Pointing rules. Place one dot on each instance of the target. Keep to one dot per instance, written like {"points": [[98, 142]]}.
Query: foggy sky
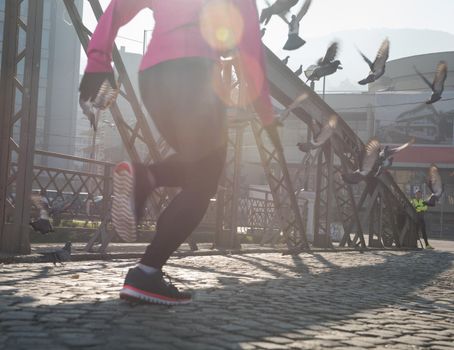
{"points": [[329, 16], [325, 19]]}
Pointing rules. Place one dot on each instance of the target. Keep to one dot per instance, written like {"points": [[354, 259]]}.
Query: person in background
{"points": [[421, 207], [181, 87]]}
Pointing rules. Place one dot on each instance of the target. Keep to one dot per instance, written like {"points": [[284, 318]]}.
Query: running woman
{"points": [[180, 86]]}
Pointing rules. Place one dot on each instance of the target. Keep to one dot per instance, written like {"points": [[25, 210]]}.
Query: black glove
{"points": [[271, 129], [91, 82], [89, 89]]}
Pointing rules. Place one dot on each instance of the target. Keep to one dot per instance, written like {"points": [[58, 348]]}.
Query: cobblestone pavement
{"points": [[394, 300]]}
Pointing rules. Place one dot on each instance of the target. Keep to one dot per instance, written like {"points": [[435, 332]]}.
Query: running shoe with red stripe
{"points": [[151, 288]]}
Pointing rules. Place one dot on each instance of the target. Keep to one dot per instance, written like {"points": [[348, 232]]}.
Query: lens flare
{"points": [[255, 75], [221, 25]]}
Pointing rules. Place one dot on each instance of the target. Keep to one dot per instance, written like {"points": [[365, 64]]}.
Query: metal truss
{"points": [[228, 196], [386, 215], [323, 198], [382, 211], [286, 209], [136, 134], [348, 210], [18, 105], [281, 186]]}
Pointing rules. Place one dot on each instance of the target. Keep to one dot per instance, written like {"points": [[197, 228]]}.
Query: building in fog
{"points": [[58, 84], [394, 111]]}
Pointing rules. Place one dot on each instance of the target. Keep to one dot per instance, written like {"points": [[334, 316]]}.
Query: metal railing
{"points": [[74, 195], [84, 195]]}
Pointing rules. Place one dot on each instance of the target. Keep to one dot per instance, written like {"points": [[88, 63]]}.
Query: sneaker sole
{"points": [[136, 295], [123, 217]]}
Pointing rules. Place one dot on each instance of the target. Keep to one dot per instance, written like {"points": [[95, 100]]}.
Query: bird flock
{"points": [[328, 64], [374, 158]]}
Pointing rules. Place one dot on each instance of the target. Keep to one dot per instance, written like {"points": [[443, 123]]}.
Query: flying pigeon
{"points": [[438, 84], [299, 71], [294, 41], [386, 158], [368, 163], [377, 68], [279, 7], [42, 225], [435, 185], [285, 60], [59, 255], [321, 137], [105, 97], [326, 65]]}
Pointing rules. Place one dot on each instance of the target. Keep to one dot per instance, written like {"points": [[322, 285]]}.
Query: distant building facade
{"points": [[109, 146], [58, 84], [394, 111]]}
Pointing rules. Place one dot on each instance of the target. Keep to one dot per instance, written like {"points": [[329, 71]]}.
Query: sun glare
{"points": [[221, 24]]}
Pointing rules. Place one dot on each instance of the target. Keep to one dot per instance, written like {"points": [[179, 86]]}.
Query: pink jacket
{"points": [[177, 34]]}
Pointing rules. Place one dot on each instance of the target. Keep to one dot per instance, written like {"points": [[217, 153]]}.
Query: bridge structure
{"points": [[376, 214]]}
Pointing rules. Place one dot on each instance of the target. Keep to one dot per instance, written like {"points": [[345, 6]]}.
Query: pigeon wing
{"points": [[429, 84], [326, 132], [440, 77], [282, 14], [283, 6], [434, 181], [370, 156], [42, 225], [331, 53], [279, 7], [400, 148], [382, 55], [368, 61], [37, 201], [302, 12]]}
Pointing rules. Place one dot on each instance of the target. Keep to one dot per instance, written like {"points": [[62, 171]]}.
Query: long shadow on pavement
{"points": [[236, 312]]}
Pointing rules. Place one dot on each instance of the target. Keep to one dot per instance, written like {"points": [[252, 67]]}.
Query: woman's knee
{"points": [[206, 173]]}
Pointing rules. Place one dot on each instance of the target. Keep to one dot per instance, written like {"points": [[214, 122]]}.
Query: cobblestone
{"points": [[387, 300]]}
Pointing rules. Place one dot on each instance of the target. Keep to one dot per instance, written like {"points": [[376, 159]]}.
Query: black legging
{"points": [[183, 103], [422, 226]]}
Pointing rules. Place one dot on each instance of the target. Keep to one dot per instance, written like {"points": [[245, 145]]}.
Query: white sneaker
{"points": [[123, 217]]}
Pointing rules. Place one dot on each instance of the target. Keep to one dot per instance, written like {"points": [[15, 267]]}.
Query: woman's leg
{"points": [[179, 96], [181, 100], [186, 210]]}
